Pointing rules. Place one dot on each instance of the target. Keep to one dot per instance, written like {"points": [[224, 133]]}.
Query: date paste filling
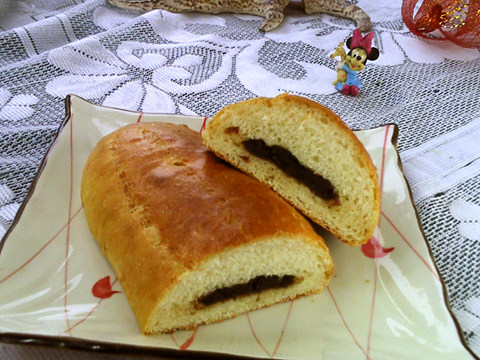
{"points": [[290, 165], [258, 284]]}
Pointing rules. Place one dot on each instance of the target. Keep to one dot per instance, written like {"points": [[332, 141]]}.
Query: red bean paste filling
{"points": [[291, 167], [255, 285]]}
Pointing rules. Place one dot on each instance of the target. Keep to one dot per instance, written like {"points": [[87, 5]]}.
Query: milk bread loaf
{"points": [[191, 239], [305, 153]]}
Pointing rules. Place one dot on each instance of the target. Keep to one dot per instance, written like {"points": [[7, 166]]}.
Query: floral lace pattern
{"points": [[468, 313], [468, 214]]}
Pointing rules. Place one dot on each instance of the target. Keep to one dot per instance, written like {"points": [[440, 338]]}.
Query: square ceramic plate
{"points": [[386, 300]]}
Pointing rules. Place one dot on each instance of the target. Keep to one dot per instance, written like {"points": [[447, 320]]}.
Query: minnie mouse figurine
{"points": [[350, 63]]}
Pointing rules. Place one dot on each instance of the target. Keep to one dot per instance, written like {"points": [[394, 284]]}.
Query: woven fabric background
{"points": [[194, 64]]}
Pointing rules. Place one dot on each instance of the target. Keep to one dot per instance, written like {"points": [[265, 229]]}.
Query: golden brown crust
{"points": [[158, 203]]}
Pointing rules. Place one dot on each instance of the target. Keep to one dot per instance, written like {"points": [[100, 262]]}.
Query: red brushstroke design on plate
{"points": [[204, 125], [272, 354], [375, 277], [27, 262], [349, 329], [187, 342], [102, 289], [67, 242], [415, 251], [374, 250], [91, 311]]}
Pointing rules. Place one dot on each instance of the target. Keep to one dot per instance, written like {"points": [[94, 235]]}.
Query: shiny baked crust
{"points": [[176, 222]]}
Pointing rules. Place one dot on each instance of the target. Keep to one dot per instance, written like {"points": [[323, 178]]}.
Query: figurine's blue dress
{"points": [[352, 79]]}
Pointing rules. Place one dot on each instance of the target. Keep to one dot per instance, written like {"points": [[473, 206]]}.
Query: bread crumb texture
{"points": [[320, 141]]}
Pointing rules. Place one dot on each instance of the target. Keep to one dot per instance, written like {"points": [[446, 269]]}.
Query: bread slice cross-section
{"points": [[305, 153]]}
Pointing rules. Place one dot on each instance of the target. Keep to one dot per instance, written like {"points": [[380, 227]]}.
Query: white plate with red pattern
{"points": [[385, 301]]}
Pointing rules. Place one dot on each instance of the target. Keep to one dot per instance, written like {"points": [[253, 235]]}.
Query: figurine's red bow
{"points": [[359, 41]]}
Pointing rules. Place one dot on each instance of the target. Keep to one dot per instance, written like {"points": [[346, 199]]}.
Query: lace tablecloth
{"points": [[195, 64]]}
